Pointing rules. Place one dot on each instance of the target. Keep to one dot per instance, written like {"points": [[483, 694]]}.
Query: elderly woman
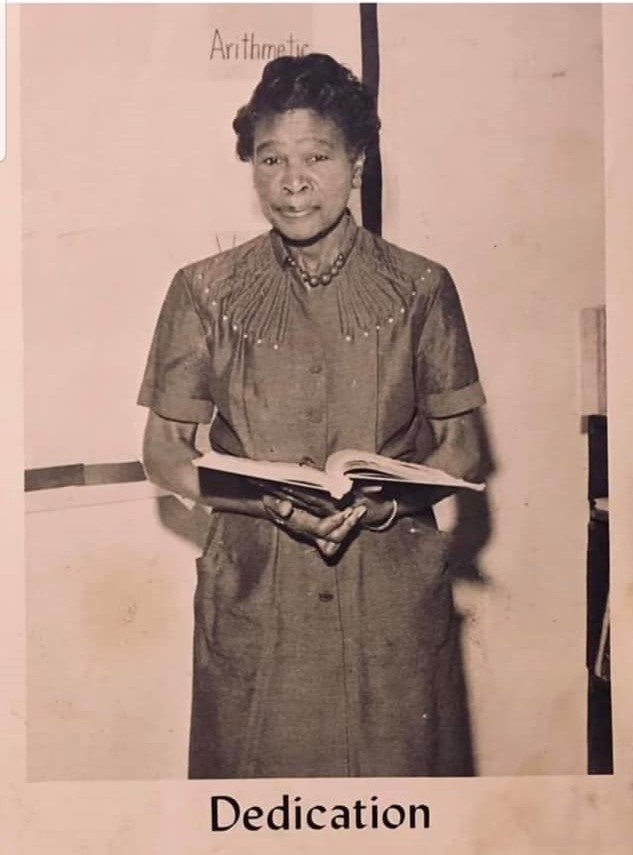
{"points": [[325, 636]]}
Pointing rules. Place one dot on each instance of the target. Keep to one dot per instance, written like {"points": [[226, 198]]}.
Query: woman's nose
{"points": [[294, 179]]}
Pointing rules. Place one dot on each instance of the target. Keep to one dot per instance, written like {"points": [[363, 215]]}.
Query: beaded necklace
{"points": [[312, 279]]}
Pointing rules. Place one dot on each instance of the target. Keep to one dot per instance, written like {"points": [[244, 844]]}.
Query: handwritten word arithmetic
{"points": [[248, 47]]}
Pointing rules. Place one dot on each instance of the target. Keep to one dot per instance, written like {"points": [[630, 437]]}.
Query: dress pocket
{"points": [[233, 604], [427, 545]]}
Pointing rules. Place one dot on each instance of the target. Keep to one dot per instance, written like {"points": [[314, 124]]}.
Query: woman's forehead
{"points": [[296, 126]]}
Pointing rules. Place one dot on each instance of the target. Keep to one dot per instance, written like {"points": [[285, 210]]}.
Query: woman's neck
{"points": [[315, 256]]}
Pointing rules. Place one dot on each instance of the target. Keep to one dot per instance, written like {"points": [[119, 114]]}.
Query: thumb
{"points": [[369, 489], [284, 508]]}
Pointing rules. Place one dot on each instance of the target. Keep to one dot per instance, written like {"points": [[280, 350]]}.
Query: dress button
{"points": [[314, 416], [317, 368], [326, 597]]}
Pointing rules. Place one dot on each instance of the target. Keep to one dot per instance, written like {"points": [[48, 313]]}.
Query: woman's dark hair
{"points": [[312, 82]]}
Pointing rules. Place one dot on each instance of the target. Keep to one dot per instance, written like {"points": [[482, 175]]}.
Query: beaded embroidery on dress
{"points": [[248, 289]]}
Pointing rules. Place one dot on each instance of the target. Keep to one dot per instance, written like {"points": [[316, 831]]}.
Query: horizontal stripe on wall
{"points": [[83, 475]]}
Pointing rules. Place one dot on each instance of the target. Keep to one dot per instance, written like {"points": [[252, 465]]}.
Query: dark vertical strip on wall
{"points": [[371, 191]]}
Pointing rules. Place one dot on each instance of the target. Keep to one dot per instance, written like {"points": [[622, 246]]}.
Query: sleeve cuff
{"points": [[174, 407], [441, 405]]}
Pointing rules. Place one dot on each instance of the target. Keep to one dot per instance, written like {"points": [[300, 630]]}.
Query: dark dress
{"points": [[303, 667]]}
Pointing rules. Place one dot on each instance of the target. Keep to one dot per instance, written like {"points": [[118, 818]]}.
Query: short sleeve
{"points": [[447, 380], [176, 380]]}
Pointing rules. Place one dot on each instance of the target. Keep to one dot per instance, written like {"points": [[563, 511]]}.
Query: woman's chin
{"points": [[302, 229], [297, 228]]}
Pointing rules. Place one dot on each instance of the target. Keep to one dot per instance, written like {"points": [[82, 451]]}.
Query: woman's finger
{"points": [[367, 489], [301, 522], [308, 499], [328, 533], [299, 498], [281, 509], [327, 548], [336, 529], [321, 528]]}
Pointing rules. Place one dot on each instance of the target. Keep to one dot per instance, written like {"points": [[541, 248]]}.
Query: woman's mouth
{"points": [[295, 213]]}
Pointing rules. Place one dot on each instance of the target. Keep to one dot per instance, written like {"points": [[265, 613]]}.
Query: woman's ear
{"points": [[357, 170]]}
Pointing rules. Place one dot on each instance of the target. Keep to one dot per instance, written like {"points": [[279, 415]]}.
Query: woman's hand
{"points": [[378, 509], [317, 502], [327, 532], [320, 504], [315, 517]]}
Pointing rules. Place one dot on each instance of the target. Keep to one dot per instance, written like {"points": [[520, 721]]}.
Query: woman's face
{"points": [[303, 172]]}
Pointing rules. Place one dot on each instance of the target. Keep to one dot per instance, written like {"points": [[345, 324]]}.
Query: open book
{"points": [[341, 469]]}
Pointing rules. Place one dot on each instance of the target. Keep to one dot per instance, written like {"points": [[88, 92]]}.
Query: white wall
{"points": [[109, 628], [493, 165], [128, 173], [492, 161]]}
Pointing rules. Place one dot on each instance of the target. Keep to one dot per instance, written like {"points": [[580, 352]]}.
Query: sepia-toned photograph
{"points": [[315, 392]]}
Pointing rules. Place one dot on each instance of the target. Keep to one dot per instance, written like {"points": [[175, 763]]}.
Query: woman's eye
{"points": [[271, 160], [318, 158]]}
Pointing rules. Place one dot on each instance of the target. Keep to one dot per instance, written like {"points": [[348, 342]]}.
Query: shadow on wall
{"points": [[470, 534], [473, 525]]}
